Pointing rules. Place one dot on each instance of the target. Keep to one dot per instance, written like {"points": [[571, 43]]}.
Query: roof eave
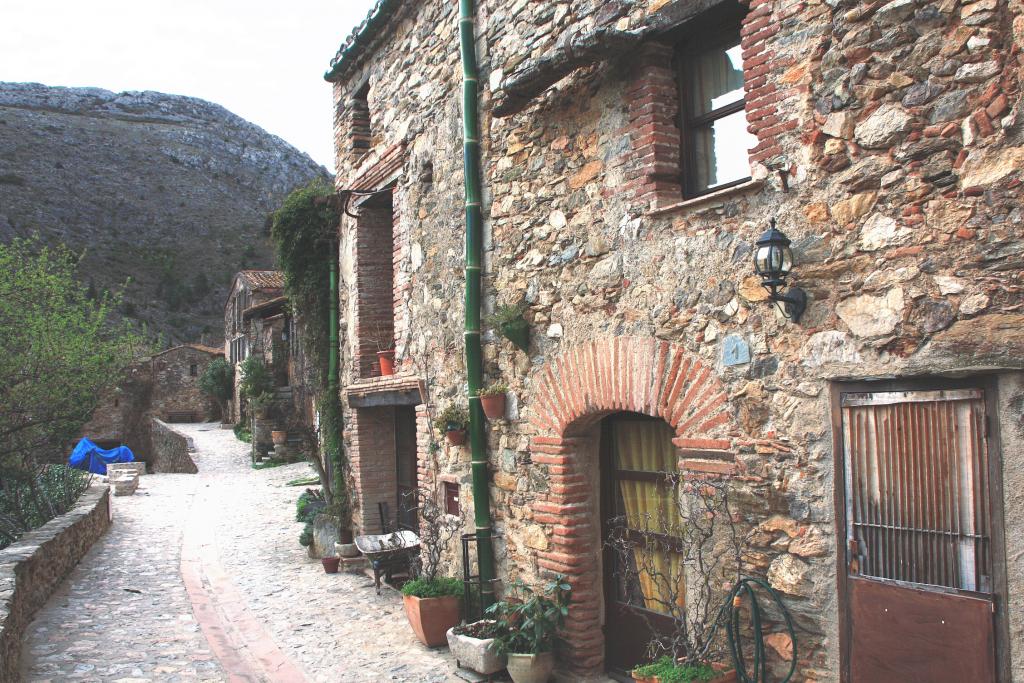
{"points": [[352, 49]]}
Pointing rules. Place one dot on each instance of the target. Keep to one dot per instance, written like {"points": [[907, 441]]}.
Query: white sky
{"points": [[261, 59]]}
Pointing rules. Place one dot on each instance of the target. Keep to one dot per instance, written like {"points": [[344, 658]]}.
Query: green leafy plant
{"points": [[29, 502], [256, 382], [267, 464], [306, 537], [59, 352], [259, 402], [496, 389], [303, 230], [309, 505], [242, 434], [455, 416], [529, 621], [506, 314], [218, 382], [437, 587], [668, 670]]}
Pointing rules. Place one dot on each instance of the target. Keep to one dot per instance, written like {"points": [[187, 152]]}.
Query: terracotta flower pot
{"points": [[330, 564], [531, 668], [494, 406], [431, 618], [456, 437], [279, 438], [387, 362]]}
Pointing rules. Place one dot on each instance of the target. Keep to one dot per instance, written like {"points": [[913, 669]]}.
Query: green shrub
{"points": [[256, 378], [432, 588], [496, 389], [309, 505], [669, 671], [242, 434], [218, 382], [306, 537], [29, 501]]}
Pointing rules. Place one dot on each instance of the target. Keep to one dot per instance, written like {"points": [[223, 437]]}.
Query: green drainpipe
{"points": [[474, 365], [332, 358]]}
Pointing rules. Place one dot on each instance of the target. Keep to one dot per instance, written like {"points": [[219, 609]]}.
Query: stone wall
{"points": [[170, 451], [32, 568], [889, 150], [152, 387]]}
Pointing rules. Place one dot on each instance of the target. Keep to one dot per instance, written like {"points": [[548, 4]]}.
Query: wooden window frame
{"points": [[723, 31], [987, 383]]}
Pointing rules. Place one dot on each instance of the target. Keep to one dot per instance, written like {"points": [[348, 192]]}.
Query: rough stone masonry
{"points": [[889, 149]]}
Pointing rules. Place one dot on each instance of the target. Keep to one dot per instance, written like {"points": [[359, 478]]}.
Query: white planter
{"points": [[475, 653], [531, 668]]}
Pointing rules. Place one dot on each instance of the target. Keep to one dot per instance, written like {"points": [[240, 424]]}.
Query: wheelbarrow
{"points": [[389, 553]]}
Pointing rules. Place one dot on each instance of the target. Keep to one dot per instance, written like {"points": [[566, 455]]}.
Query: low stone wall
{"points": [[32, 568], [170, 451]]}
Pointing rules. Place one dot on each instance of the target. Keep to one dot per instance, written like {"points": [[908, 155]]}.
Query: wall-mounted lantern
{"points": [[773, 259]]}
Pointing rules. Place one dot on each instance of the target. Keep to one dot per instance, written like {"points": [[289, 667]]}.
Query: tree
{"points": [[59, 350], [218, 382]]}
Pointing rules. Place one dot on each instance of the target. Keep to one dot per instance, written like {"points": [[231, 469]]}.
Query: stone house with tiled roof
{"points": [[632, 156]]}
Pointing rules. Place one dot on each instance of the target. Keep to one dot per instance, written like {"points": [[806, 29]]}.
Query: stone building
{"points": [[257, 322], [633, 153], [255, 297], [162, 387]]}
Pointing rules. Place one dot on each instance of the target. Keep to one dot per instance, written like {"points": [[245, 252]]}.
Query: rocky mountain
{"points": [[172, 192]]}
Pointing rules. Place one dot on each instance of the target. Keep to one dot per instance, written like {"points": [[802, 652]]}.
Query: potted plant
{"points": [[386, 359], [509, 321], [257, 384], [432, 602], [492, 399], [475, 646], [668, 670], [278, 437], [529, 623], [330, 564], [452, 423]]}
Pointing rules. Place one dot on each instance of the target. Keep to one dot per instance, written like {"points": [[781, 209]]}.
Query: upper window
{"points": [[193, 370], [715, 137]]}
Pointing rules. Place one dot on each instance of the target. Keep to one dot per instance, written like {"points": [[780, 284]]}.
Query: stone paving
{"points": [[201, 578]]}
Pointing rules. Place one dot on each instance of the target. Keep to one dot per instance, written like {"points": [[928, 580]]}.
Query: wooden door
{"points": [[919, 571], [639, 489], [405, 456]]}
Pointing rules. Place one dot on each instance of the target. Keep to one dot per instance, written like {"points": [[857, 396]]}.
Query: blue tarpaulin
{"points": [[90, 457]]}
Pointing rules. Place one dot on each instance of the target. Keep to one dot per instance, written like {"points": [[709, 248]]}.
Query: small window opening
{"points": [[451, 498], [193, 370]]}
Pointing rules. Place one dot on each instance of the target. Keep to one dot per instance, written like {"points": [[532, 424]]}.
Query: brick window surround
{"points": [[374, 309], [572, 393], [653, 105]]}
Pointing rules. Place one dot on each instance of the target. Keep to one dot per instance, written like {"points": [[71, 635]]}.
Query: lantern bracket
{"points": [[793, 302]]}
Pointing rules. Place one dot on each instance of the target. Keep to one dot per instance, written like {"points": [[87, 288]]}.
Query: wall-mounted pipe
{"points": [[474, 353]]}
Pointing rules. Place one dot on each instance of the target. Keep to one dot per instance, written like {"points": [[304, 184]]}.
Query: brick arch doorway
{"points": [[573, 394], [639, 480]]}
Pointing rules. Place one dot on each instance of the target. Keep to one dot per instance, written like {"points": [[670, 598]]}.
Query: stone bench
{"points": [[123, 482], [138, 467]]}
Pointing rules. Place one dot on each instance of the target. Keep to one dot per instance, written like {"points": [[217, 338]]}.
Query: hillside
{"points": [[172, 192]]}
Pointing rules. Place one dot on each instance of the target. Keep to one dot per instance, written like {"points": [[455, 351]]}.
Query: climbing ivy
{"points": [[303, 231]]}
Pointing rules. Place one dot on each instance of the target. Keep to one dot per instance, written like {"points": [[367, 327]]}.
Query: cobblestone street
{"points": [[201, 577]]}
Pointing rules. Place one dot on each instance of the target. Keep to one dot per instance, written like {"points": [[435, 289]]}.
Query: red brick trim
{"points": [[570, 394]]}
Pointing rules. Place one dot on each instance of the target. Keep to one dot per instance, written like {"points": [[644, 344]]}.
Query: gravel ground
{"points": [[252, 605]]}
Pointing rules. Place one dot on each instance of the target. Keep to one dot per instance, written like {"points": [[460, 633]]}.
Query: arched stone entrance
{"points": [[572, 392]]}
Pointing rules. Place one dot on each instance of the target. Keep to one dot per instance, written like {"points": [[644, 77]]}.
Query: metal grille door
{"points": [[918, 527], [917, 487]]}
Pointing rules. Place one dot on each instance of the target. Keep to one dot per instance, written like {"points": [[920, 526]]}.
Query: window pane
{"points": [[716, 78], [720, 151]]}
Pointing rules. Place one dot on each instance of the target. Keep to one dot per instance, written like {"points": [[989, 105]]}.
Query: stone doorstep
{"points": [[353, 565]]}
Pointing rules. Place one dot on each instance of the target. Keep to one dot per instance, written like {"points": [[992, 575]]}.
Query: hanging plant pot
{"points": [[330, 564], [518, 332], [494, 406], [387, 362], [456, 437]]}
